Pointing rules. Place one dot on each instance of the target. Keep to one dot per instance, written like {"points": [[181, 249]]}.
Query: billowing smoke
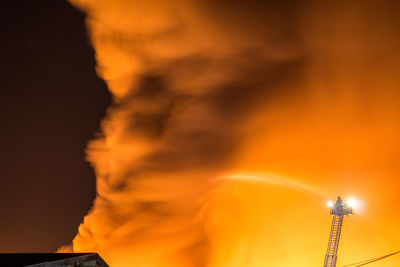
{"points": [[206, 89]]}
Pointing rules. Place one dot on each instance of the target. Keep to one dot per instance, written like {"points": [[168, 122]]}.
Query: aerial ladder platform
{"points": [[338, 211]]}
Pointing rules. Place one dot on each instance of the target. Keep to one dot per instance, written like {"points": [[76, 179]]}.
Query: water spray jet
{"points": [[277, 180]]}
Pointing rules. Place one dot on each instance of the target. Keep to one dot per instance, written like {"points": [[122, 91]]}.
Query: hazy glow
{"points": [[351, 202], [329, 204], [233, 122]]}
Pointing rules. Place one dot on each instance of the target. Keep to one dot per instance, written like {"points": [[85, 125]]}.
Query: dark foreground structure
{"points": [[51, 260]]}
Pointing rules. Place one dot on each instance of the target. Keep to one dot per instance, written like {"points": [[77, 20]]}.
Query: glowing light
{"points": [[329, 204], [351, 202]]}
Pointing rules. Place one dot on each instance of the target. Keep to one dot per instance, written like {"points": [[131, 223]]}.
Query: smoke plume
{"points": [[205, 89]]}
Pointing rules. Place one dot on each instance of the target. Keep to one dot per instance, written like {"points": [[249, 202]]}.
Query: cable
{"points": [[365, 262], [362, 263]]}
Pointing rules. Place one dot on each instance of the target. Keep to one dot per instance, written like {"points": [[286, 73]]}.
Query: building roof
{"points": [[51, 260]]}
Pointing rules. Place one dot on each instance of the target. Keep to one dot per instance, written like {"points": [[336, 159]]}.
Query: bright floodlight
{"points": [[351, 202], [329, 204]]}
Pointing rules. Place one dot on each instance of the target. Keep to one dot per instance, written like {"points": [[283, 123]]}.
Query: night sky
{"points": [[51, 105]]}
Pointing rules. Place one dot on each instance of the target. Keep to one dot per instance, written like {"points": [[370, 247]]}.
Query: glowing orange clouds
{"points": [[206, 91]]}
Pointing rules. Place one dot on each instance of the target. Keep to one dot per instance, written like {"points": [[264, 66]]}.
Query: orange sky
{"points": [[304, 93]]}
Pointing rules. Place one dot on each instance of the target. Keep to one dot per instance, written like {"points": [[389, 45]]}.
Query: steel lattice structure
{"points": [[338, 210]]}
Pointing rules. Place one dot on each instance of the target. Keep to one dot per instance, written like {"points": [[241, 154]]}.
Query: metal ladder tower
{"points": [[338, 210]]}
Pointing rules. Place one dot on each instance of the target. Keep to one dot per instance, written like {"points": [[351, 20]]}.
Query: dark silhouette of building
{"points": [[51, 260]]}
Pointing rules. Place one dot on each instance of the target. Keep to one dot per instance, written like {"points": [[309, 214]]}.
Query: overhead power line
{"points": [[365, 262]]}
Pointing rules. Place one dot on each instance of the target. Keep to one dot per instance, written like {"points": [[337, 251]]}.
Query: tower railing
{"points": [[338, 210]]}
